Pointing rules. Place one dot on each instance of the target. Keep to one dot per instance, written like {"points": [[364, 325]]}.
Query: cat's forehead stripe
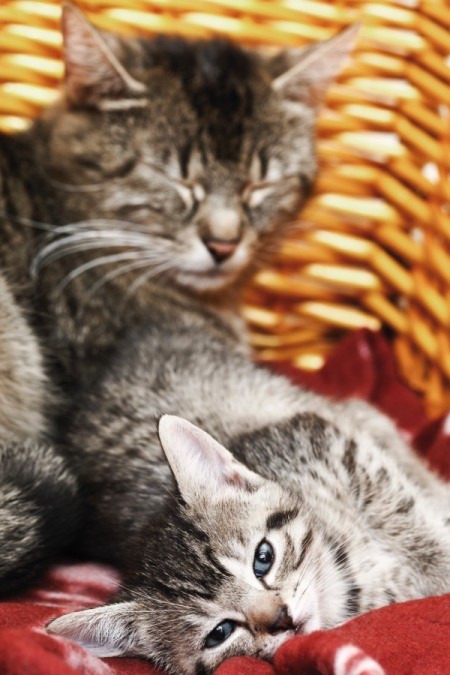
{"points": [[279, 519], [218, 80], [304, 547]]}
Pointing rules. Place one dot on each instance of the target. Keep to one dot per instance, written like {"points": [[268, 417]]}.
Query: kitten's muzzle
{"points": [[220, 249], [283, 622], [270, 617]]}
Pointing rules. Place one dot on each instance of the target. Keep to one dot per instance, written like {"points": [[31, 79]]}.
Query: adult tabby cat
{"points": [[185, 161], [180, 161]]}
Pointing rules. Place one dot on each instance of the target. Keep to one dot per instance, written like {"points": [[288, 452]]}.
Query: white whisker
{"points": [[114, 274], [39, 225], [145, 276], [67, 187], [97, 262], [85, 241]]}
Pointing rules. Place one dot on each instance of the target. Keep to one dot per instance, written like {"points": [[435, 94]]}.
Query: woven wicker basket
{"points": [[373, 246]]}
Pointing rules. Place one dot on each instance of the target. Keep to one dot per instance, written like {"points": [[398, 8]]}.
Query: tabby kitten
{"points": [[164, 159], [321, 512], [168, 159]]}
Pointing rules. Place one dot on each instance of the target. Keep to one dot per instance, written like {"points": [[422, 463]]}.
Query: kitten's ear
{"points": [[93, 74], [199, 463], [312, 69], [103, 631]]}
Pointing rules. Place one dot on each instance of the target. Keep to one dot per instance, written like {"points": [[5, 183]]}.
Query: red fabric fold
{"points": [[411, 638]]}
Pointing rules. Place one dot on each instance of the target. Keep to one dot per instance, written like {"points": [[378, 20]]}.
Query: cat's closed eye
{"points": [[255, 194], [137, 211]]}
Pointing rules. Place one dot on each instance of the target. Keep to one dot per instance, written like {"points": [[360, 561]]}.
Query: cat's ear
{"points": [[103, 631], [201, 465], [311, 70], [93, 74]]}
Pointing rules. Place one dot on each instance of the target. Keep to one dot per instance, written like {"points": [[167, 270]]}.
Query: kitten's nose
{"points": [[221, 250], [282, 622]]}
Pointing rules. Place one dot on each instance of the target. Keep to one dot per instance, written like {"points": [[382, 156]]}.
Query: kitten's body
{"points": [[356, 520]]}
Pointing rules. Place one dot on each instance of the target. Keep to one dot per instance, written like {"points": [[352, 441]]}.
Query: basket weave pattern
{"points": [[373, 245]]}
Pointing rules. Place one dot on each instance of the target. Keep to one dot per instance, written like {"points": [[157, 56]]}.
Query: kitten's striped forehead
{"points": [[218, 79], [180, 563]]}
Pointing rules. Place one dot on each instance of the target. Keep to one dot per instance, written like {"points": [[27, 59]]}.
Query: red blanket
{"points": [[411, 638]]}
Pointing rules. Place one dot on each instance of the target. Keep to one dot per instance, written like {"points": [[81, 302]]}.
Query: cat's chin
{"points": [[281, 638], [211, 281], [268, 652]]}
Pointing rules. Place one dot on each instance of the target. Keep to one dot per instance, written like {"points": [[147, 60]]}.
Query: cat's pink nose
{"points": [[219, 249]]}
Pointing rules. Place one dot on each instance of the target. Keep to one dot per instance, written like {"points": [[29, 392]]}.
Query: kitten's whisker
{"points": [[152, 230], [309, 563], [29, 222], [75, 226], [114, 274], [145, 276], [72, 228], [97, 262], [85, 241], [92, 233], [349, 538], [123, 269], [67, 187], [305, 590], [115, 225], [46, 258]]}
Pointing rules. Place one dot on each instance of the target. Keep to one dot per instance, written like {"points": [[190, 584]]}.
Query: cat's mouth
{"points": [[213, 273], [206, 269], [268, 651], [213, 278]]}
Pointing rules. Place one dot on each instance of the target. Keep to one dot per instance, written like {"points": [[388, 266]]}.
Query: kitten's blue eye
{"points": [[263, 559], [219, 634]]}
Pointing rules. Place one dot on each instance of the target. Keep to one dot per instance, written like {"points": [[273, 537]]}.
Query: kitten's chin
{"points": [[276, 641], [267, 651], [212, 281]]}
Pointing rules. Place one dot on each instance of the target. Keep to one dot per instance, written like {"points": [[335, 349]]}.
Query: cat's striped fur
{"points": [[170, 159], [34, 478], [185, 162], [356, 521]]}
